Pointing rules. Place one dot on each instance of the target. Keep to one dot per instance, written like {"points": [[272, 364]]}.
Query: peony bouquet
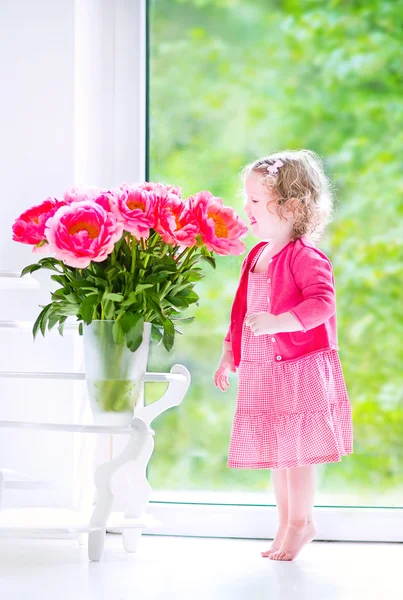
{"points": [[130, 255]]}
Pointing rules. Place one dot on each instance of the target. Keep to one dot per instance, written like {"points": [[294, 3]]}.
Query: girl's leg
{"points": [[280, 487], [301, 529]]}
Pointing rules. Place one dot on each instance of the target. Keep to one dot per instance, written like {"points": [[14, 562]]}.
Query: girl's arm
{"points": [[313, 274], [227, 339]]}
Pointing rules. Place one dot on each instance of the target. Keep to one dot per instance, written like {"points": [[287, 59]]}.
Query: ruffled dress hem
{"points": [[289, 465], [317, 437]]}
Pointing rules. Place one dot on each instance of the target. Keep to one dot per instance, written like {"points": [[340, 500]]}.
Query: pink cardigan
{"points": [[299, 280]]}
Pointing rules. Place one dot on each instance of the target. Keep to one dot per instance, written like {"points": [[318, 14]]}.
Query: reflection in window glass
{"points": [[231, 80]]}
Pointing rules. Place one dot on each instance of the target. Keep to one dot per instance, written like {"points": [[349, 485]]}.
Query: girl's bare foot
{"points": [[296, 537], [278, 540]]}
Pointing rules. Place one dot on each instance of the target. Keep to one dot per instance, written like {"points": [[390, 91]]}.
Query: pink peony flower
{"points": [[29, 228], [135, 208], [82, 232], [79, 194], [175, 221], [220, 226], [104, 198], [161, 190]]}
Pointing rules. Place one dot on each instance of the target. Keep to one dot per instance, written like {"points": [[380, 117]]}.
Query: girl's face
{"points": [[262, 212]]}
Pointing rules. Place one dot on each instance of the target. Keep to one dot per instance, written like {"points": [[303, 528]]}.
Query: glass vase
{"points": [[113, 373]]}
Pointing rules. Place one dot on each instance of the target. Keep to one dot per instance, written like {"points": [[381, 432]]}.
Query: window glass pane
{"points": [[232, 80]]}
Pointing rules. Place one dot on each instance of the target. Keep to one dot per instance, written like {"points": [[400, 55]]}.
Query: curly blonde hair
{"points": [[299, 186]]}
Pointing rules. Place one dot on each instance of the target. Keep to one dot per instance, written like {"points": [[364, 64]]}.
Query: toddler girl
{"points": [[292, 411]]}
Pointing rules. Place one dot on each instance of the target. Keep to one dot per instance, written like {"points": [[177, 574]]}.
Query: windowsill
{"points": [[239, 498]]}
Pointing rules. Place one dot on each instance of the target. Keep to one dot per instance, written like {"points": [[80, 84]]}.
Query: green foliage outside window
{"points": [[232, 80]]}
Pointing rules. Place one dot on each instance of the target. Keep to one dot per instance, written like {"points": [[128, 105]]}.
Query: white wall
{"points": [[36, 110], [36, 161], [70, 113]]}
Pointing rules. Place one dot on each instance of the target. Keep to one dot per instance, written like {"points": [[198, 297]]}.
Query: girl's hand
{"points": [[262, 323], [225, 365]]}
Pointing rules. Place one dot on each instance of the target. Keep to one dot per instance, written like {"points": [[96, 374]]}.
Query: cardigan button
{"points": [[273, 339], [269, 280], [278, 357]]}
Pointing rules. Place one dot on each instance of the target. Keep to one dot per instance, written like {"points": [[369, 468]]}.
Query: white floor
{"points": [[176, 568]]}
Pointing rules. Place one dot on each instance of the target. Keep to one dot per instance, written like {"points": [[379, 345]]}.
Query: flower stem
{"points": [[182, 254], [134, 252], [191, 251]]}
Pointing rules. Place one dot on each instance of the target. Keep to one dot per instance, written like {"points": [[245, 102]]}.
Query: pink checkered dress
{"points": [[290, 413]]}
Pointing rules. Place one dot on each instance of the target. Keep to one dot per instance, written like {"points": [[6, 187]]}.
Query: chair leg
{"points": [[103, 483], [96, 544], [131, 539]]}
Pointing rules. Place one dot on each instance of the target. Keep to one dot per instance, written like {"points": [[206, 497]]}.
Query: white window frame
{"points": [[110, 92]]}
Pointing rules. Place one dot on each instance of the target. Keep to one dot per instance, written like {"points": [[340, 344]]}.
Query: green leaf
{"points": [[112, 296], [169, 334], [157, 308], [127, 278], [48, 260], [154, 301], [128, 321], [177, 288], [195, 258], [164, 267], [38, 321], [193, 276], [177, 301], [156, 333], [143, 286], [69, 309], [45, 317], [87, 307], [62, 321], [112, 273], [131, 299], [109, 309], [118, 333], [72, 298], [98, 269], [134, 336], [59, 293], [190, 295], [210, 260], [53, 319], [30, 269], [183, 320], [83, 284], [102, 283], [49, 263], [158, 277], [60, 279]]}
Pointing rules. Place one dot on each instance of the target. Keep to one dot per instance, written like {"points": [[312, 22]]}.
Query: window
{"points": [[231, 80]]}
